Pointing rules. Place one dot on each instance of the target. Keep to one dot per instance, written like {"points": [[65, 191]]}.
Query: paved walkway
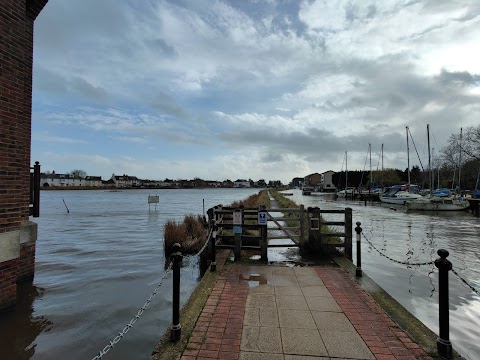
{"points": [[301, 313]]}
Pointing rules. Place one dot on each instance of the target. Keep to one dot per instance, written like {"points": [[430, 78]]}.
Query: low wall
{"points": [[17, 261]]}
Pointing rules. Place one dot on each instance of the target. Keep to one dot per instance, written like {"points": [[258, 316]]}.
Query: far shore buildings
{"points": [[320, 182], [54, 180]]}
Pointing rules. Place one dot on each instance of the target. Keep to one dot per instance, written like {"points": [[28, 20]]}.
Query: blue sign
{"points": [[262, 218], [237, 229]]}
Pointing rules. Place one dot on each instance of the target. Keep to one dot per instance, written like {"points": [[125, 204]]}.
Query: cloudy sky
{"points": [[269, 89]]}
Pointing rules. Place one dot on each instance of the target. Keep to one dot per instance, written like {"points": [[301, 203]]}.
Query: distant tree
{"points": [[388, 177], [78, 172]]}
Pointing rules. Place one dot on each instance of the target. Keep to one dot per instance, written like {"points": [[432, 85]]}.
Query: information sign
{"points": [[237, 217], [262, 218]]}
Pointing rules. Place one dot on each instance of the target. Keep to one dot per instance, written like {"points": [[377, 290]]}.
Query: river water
{"points": [[415, 237], [95, 268], [98, 264]]}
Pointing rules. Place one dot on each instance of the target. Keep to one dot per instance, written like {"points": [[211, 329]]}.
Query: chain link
{"points": [[466, 283], [424, 263], [127, 328], [204, 245], [397, 261]]}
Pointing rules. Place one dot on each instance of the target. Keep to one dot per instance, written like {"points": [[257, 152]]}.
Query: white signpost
{"points": [[237, 217]]}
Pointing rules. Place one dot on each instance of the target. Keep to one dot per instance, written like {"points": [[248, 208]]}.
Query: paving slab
{"points": [[301, 313]]}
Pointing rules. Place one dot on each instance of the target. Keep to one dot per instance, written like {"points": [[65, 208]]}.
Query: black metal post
{"points": [[176, 329], [213, 264], [358, 230], [348, 233], [444, 346]]}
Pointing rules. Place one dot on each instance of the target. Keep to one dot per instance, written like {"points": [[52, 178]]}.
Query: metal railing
{"points": [[444, 346]]}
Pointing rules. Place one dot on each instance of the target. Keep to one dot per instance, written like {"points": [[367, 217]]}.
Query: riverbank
{"points": [[242, 312]]}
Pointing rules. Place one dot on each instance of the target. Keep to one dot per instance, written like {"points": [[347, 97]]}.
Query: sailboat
{"points": [[432, 202], [400, 194], [348, 191]]}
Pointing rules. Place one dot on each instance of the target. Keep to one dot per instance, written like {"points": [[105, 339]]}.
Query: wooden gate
{"points": [[242, 229]]}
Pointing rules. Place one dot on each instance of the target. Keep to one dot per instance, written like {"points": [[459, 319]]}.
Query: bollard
{"points": [[213, 264], [358, 230], [176, 329], [444, 346]]}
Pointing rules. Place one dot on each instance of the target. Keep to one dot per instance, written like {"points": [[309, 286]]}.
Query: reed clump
{"points": [[253, 201], [191, 233]]}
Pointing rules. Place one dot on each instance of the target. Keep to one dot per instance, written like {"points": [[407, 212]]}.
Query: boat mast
{"points": [[408, 158], [429, 160], [371, 174], [433, 170], [346, 173], [382, 165], [460, 159]]}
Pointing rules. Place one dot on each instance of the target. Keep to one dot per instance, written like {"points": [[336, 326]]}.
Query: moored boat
{"points": [[306, 190], [400, 194], [437, 203]]}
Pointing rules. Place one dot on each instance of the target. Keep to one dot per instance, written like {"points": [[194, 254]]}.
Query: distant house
{"points": [[241, 183], [297, 182], [122, 181], [227, 183], [108, 183], [61, 180], [313, 180], [326, 183], [95, 181]]}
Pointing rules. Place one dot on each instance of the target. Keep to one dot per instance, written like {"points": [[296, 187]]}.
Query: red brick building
{"points": [[17, 233]]}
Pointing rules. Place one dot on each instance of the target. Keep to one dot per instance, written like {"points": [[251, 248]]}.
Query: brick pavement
{"points": [[223, 321]]}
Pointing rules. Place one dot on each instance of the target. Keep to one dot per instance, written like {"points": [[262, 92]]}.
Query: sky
{"points": [[250, 89]]}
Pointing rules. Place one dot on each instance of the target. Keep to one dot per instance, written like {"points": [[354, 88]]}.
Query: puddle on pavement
{"points": [[254, 279]]}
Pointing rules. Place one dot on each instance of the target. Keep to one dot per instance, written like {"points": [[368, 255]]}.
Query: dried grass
{"points": [[190, 234]]}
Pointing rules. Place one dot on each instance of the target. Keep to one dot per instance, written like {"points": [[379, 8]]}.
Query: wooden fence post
{"points": [[314, 237], [237, 229], [263, 237], [302, 225], [348, 233]]}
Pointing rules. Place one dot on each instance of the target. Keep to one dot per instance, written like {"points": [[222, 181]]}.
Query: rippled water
{"points": [[95, 268], [97, 265], [415, 237]]}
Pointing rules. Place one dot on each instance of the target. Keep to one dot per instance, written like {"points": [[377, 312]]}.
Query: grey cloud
{"points": [[167, 105], [463, 78], [162, 47], [53, 82]]}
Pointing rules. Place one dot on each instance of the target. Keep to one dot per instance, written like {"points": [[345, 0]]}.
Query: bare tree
{"points": [[78, 172]]}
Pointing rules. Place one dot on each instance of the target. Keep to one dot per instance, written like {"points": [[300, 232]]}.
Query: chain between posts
{"points": [[127, 328], [466, 283], [419, 264], [205, 245], [397, 261]]}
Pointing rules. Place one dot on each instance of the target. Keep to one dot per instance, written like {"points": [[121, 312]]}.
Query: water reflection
{"points": [[19, 327]]}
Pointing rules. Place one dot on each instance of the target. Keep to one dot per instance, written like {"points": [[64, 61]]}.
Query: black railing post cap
{"points": [[443, 263], [358, 229], [176, 255]]}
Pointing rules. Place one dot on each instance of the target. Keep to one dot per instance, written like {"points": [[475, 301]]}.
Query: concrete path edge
{"points": [[420, 333], [166, 350]]}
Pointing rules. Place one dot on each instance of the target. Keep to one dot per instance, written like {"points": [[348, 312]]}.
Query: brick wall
{"points": [[8, 284], [26, 262], [16, 57]]}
